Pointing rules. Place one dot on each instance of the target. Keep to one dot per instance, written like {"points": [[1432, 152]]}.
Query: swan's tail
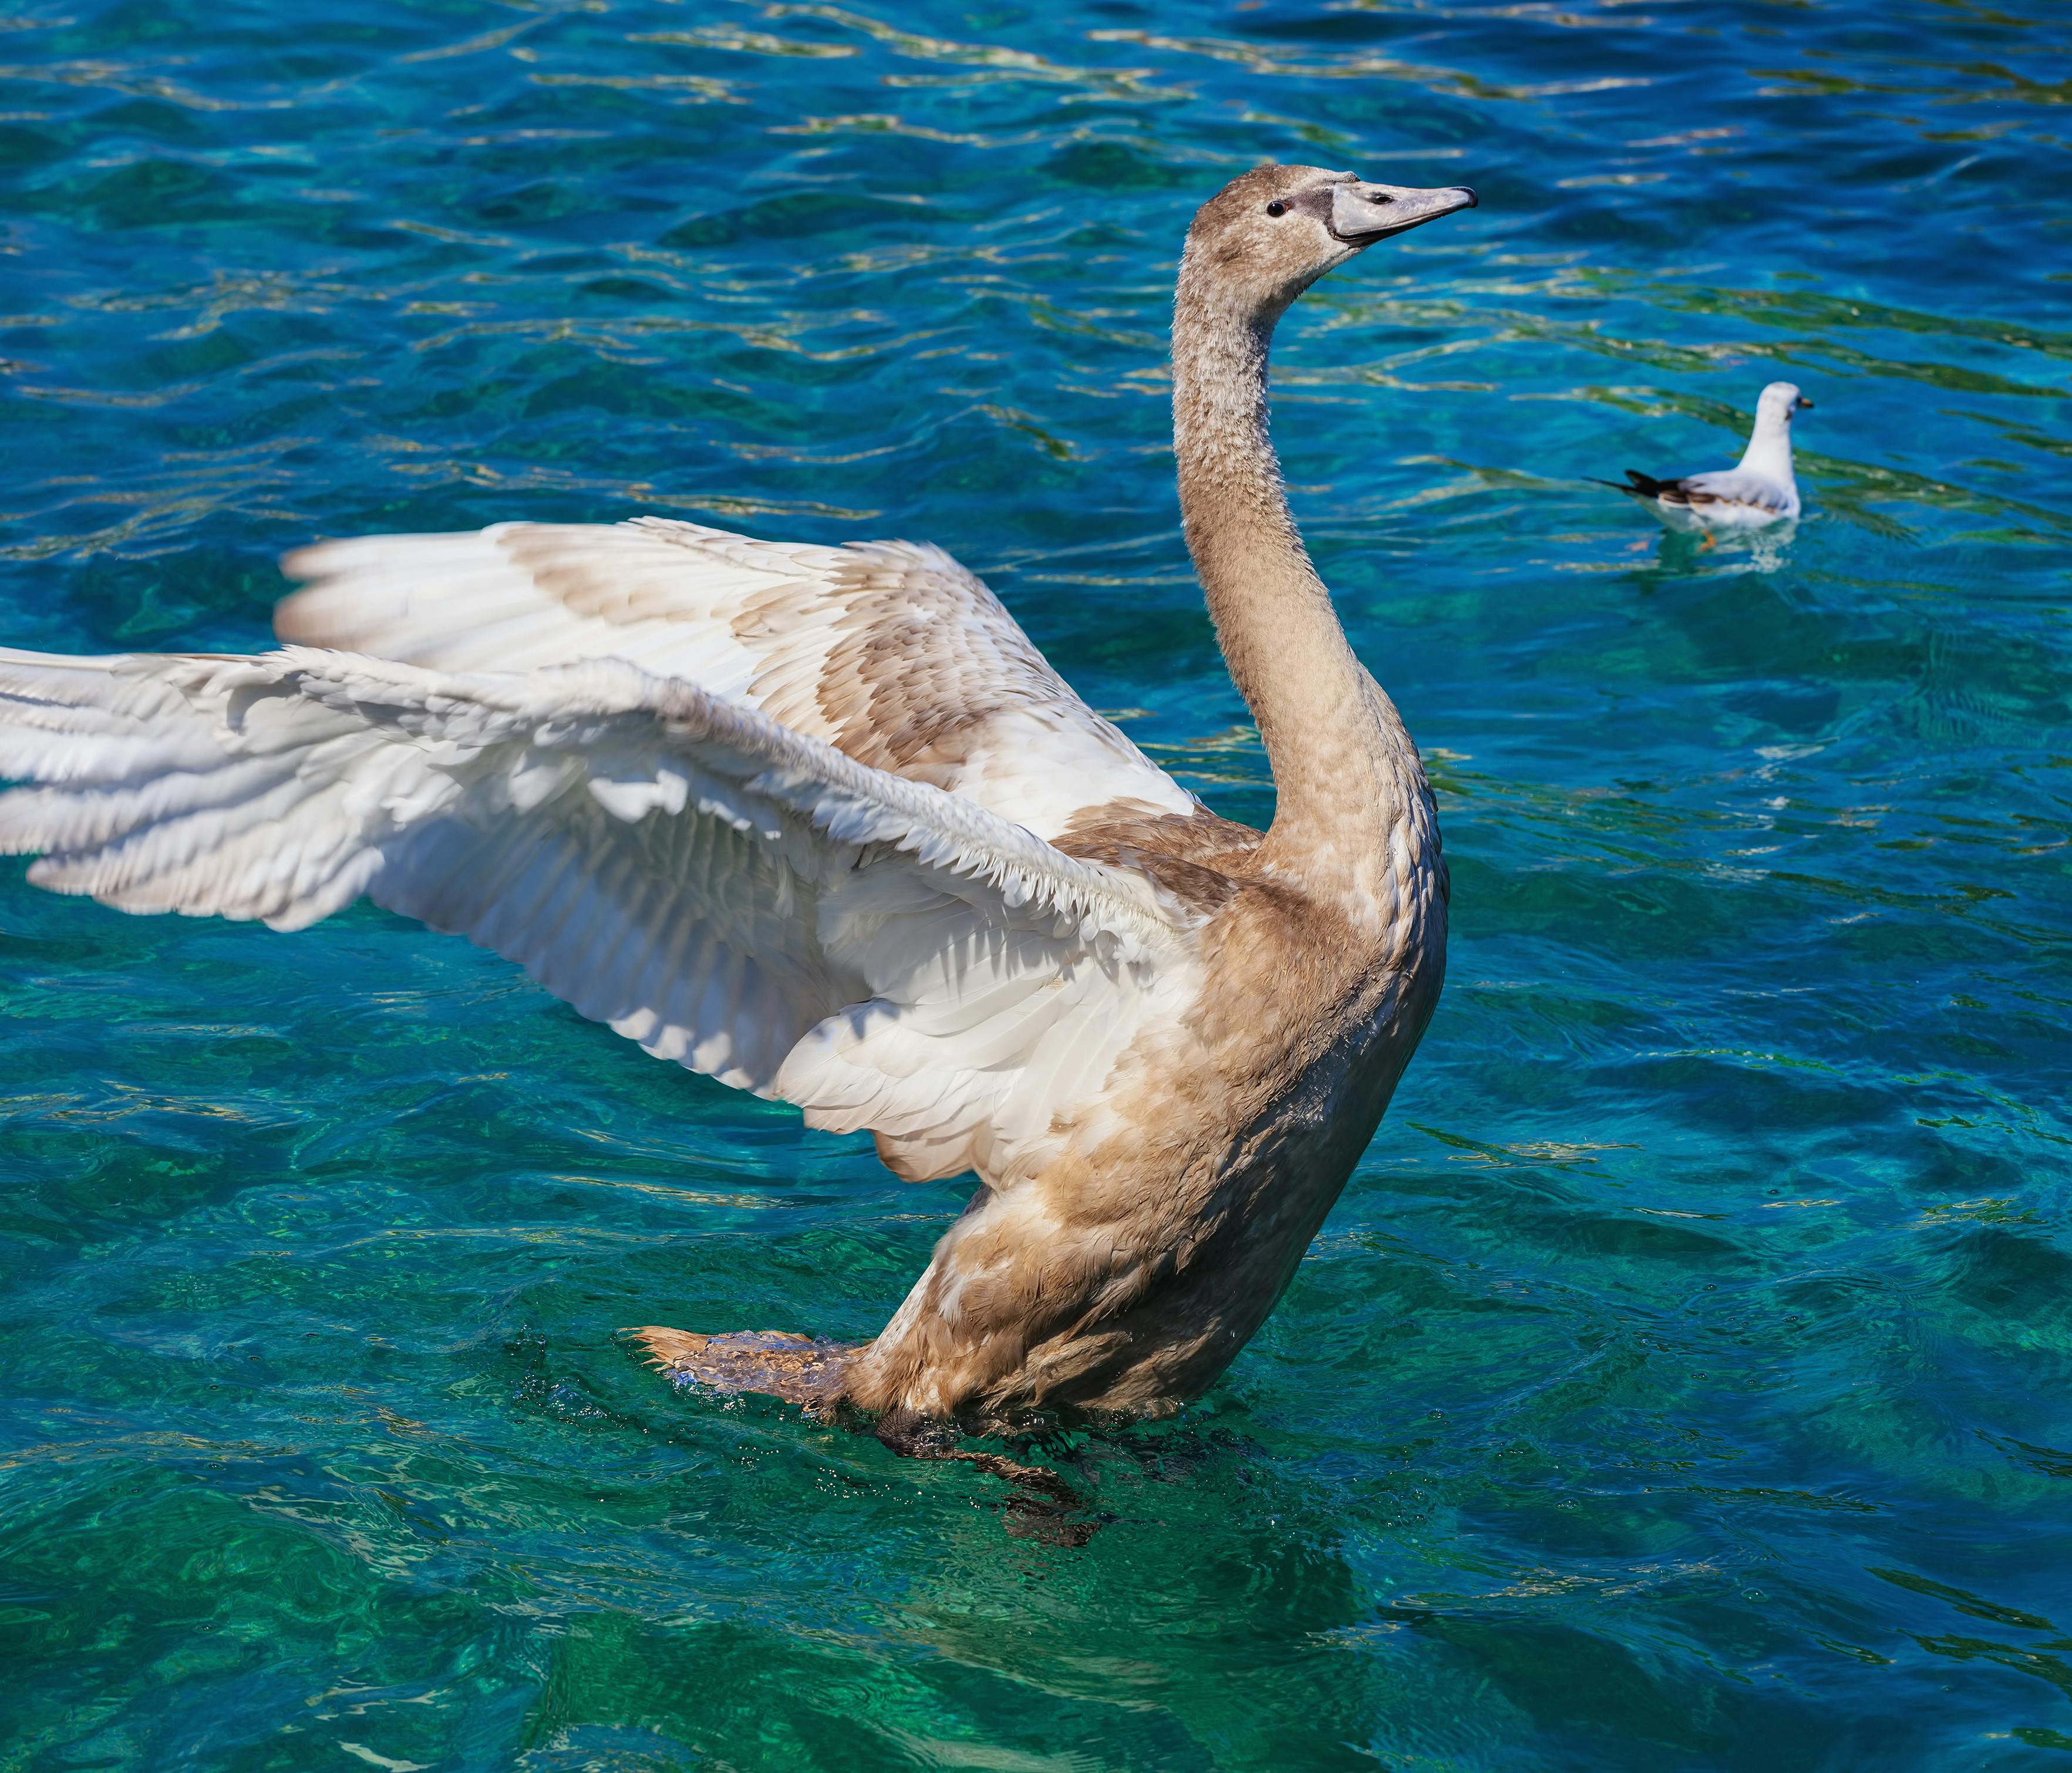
{"points": [[799, 1369], [805, 1370]]}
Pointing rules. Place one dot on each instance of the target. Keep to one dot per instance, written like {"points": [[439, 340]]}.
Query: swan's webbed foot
{"points": [[799, 1369], [1043, 1505]]}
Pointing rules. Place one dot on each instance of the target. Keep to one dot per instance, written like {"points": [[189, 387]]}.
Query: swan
{"points": [[823, 824], [1759, 490]]}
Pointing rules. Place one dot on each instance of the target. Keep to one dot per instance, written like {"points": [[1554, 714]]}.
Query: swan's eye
{"points": [[1277, 207]]}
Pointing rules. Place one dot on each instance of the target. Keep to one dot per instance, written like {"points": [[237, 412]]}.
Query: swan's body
{"points": [[822, 823], [1759, 490]]}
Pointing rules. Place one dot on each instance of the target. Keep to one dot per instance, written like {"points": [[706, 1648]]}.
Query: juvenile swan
{"points": [[822, 823], [1760, 489]]}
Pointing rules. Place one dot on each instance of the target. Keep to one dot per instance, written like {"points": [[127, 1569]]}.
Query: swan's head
{"points": [[1264, 238], [1777, 402]]}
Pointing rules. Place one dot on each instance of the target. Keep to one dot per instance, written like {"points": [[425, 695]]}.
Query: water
{"points": [[1682, 1381]]}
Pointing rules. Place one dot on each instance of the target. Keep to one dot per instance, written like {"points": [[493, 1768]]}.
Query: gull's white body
{"points": [[1758, 491], [823, 824]]}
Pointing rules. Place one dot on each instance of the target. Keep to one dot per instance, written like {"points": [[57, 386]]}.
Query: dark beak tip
{"points": [[1473, 202]]}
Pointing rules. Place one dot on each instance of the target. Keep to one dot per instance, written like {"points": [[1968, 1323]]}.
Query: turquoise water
{"points": [[1684, 1380]]}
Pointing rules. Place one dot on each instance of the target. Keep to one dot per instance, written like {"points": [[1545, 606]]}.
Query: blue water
{"points": [[1684, 1380]]}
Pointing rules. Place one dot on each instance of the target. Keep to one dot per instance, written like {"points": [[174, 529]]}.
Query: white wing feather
{"points": [[736, 896], [1740, 486], [891, 652]]}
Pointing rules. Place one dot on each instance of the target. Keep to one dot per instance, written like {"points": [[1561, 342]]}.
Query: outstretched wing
{"points": [[890, 653], [736, 897]]}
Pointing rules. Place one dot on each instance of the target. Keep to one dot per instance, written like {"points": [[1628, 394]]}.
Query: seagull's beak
{"points": [[1361, 214], [1802, 404]]}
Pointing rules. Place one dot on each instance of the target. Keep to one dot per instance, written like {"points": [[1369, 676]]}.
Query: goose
{"points": [[821, 822], [1760, 489]]}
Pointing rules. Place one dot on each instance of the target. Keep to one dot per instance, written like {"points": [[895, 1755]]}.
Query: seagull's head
{"points": [[1264, 238], [1778, 402]]}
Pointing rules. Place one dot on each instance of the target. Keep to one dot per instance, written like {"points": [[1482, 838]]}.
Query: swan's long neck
{"points": [[1345, 771]]}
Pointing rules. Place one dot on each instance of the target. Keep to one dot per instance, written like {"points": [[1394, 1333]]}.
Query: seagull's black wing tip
{"points": [[1636, 484], [1645, 486]]}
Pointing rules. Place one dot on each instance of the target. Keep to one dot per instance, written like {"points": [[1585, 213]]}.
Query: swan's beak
{"points": [[1361, 214]]}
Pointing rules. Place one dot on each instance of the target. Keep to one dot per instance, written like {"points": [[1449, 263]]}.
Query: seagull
{"points": [[1759, 490]]}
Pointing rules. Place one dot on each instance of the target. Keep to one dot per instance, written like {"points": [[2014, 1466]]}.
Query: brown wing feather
{"points": [[889, 651]]}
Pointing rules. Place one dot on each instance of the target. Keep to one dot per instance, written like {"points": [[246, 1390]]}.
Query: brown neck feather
{"points": [[1343, 766]]}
